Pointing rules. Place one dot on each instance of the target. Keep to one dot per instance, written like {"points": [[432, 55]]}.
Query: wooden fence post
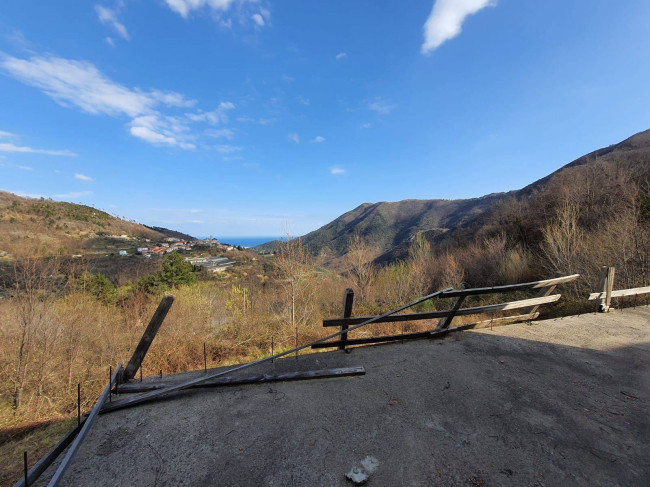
{"points": [[348, 301], [149, 334], [607, 286]]}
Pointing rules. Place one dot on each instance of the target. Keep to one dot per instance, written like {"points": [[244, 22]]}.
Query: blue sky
{"points": [[242, 117]]}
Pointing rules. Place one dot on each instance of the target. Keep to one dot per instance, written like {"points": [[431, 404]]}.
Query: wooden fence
{"points": [[607, 285], [544, 296]]}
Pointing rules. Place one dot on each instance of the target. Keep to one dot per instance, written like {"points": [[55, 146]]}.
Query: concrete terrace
{"points": [[557, 402]]}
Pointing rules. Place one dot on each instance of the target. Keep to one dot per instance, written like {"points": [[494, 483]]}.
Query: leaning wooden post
{"points": [[607, 286], [147, 337], [348, 301]]}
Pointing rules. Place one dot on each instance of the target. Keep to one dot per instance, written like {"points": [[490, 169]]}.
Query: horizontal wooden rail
{"points": [[621, 293], [428, 334], [489, 308], [509, 288]]}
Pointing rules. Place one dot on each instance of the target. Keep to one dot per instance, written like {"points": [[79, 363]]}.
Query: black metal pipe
{"points": [[25, 468]]}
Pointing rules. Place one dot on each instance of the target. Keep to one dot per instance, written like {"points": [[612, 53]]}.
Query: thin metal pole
{"points": [[25, 468], [205, 360], [78, 404], [110, 385], [132, 401], [296, 343]]}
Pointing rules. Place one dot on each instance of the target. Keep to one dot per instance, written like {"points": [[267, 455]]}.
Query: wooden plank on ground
{"points": [[237, 381], [74, 447], [147, 337]]}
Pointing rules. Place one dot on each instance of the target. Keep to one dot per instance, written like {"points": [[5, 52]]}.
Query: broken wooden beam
{"points": [[147, 337], [237, 381]]}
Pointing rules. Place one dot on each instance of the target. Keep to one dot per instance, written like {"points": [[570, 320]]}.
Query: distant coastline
{"points": [[244, 241]]}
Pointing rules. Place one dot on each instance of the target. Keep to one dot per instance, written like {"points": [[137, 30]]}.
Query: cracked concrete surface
{"points": [[557, 402]]}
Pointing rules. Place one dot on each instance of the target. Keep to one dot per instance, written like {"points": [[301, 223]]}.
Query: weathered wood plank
{"points": [[148, 336], [67, 460], [238, 381], [523, 303], [348, 301], [501, 321], [622, 293], [510, 287], [445, 322]]}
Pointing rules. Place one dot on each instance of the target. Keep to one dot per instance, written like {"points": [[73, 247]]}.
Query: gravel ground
{"points": [[557, 402]]}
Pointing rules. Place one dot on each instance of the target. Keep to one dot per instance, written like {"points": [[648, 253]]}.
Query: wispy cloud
{"points": [[4, 134], [446, 20], [288, 78], [318, 139], [109, 17], [366, 125], [245, 9], [294, 137], [83, 177], [219, 115], [80, 84], [7, 147], [381, 106], [337, 171], [341, 55], [110, 41]]}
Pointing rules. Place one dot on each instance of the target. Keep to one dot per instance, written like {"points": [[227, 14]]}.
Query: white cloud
{"points": [[228, 149], [446, 20], [294, 138], [341, 55], [110, 41], [337, 171], [303, 100], [245, 9], [82, 177], [288, 78], [366, 125], [214, 117], [382, 107], [258, 19], [80, 84], [109, 17], [7, 147], [26, 168], [318, 139], [4, 134]]}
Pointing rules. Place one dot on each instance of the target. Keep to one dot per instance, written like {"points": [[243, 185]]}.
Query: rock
{"points": [[360, 474]]}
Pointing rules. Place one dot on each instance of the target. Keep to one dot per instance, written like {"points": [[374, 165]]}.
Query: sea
{"points": [[245, 241]]}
